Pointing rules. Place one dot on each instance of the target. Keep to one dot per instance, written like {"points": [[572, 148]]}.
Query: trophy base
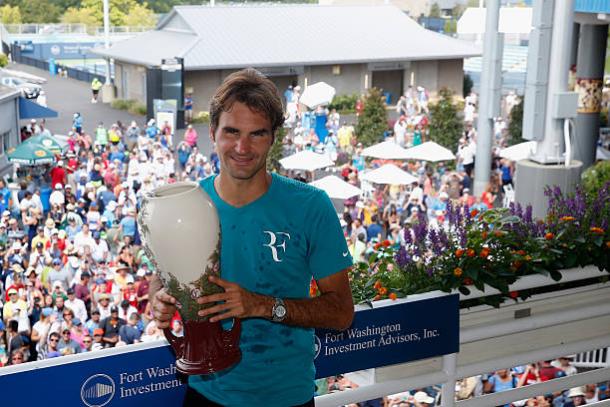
{"points": [[205, 348]]}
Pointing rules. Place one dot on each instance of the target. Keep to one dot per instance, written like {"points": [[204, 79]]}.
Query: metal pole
{"points": [[550, 149], [448, 388], [482, 166], [107, 37]]}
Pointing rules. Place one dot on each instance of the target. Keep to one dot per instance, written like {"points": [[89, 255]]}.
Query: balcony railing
{"points": [[46, 29]]}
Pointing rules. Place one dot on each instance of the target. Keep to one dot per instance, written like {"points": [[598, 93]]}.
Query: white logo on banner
{"points": [[97, 390], [317, 346]]}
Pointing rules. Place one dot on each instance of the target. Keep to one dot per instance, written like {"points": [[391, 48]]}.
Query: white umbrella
{"points": [[602, 154], [519, 151], [387, 150], [306, 160], [430, 151], [389, 174], [320, 93], [335, 187]]}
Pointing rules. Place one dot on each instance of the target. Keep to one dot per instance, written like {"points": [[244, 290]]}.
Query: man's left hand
{"points": [[236, 302]]}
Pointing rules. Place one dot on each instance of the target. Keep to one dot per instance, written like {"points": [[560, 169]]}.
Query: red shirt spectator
{"points": [[58, 174]]}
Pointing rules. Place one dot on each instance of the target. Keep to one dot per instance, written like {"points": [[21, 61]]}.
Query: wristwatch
{"points": [[278, 312]]}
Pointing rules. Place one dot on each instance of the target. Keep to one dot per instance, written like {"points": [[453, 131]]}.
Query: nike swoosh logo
{"points": [[345, 254]]}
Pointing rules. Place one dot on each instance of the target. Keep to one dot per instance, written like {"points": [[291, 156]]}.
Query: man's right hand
{"points": [[164, 308]]}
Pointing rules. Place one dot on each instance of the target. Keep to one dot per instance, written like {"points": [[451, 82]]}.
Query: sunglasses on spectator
{"points": [[53, 339], [86, 341], [66, 332], [11, 294], [17, 357]]}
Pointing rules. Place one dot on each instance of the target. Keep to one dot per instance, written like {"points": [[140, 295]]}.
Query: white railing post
{"points": [[448, 388]]}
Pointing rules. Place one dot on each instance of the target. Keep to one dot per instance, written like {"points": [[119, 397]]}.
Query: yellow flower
{"points": [[596, 230], [457, 272], [568, 218]]}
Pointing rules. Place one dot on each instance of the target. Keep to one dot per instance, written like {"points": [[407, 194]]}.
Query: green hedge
{"points": [[344, 103], [132, 106]]}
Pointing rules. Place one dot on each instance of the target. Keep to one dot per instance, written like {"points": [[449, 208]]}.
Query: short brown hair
{"points": [[251, 88]]}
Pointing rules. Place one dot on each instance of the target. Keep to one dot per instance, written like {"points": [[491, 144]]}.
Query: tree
{"points": [[140, 16], [39, 11], [275, 153], [467, 85], [79, 16], [374, 119], [10, 14], [515, 125], [445, 126], [435, 11], [119, 9]]}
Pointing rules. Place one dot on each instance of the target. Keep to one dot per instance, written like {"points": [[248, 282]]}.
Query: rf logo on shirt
{"points": [[275, 244]]}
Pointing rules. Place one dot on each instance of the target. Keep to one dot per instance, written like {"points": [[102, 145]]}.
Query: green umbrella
{"points": [[47, 142], [30, 154]]}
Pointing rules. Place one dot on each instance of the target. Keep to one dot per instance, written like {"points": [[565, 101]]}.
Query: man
{"points": [[13, 305], [111, 327], [270, 296], [96, 85], [67, 345], [77, 305], [130, 333]]}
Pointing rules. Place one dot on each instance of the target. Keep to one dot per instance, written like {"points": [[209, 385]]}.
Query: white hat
{"points": [[60, 163], [443, 195], [111, 205], [422, 397], [6, 213], [151, 122], [16, 245], [58, 186], [58, 283], [68, 186], [576, 392]]}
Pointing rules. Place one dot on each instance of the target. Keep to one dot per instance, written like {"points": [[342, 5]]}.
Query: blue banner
{"points": [[144, 377], [398, 333], [145, 374]]}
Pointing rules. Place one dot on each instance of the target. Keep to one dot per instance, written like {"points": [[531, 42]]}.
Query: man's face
{"points": [[53, 341], [243, 139]]}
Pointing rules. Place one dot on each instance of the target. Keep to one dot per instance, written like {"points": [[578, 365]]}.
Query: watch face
{"points": [[280, 311]]}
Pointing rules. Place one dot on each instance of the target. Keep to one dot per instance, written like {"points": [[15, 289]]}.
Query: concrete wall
{"points": [[9, 123], [130, 81], [203, 84], [350, 80], [451, 75]]}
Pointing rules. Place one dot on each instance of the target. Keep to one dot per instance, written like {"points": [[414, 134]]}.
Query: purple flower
{"points": [[402, 258]]}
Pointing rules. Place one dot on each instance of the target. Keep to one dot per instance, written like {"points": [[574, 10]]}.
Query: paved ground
{"points": [[66, 96]]}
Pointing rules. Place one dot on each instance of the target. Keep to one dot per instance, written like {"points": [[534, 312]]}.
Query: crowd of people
{"points": [[74, 277]]}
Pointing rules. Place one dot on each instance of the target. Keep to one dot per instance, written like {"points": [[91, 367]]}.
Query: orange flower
{"points": [[521, 252], [386, 243], [474, 212], [470, 253], [608, 244], [549, 236], [377, 285], [459, 253], [393, 296], [457, 272], [468, 281], [498, 233], [514, 294], [383, 291], [484, 234], [528, 258], [377, 246], [313, 289], [517, 264], [377, 297], [567, 218], [596, 230], [484, 253]]}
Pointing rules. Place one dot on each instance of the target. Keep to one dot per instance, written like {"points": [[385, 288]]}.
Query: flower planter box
{"points": [[557, 318]]}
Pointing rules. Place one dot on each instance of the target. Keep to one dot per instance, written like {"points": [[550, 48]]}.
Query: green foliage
{"points": [[10, 14], [79, 16], [374, 119], [140, 16], [275, 153], [467, 85], [3, 60], [344, 103], [39, 11], [122, 12], [603, 118], [435, 11], [450, 26], [445, 126], [595, 177], [202, 118], [515, 124], [132, 106]]}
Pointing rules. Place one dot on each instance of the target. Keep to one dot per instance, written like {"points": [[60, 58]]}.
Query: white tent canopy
{"points": [[306, 160], [387, 150], [336, 188], [519, 151], [430, 151], [602, 154], [389, 174], [318, 94]]}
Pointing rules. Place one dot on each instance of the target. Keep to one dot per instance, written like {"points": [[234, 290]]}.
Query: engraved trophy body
{"points": [[180, 231]]}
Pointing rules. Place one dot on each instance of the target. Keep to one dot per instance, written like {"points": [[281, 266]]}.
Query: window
{"points": [[5, 142]]}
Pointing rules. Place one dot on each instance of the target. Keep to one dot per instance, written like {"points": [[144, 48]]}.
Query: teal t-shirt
{"points": [[273, 246]]}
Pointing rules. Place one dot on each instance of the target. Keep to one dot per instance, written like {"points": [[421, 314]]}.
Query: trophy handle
{"points": [[177, 342], [234, 334]]}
